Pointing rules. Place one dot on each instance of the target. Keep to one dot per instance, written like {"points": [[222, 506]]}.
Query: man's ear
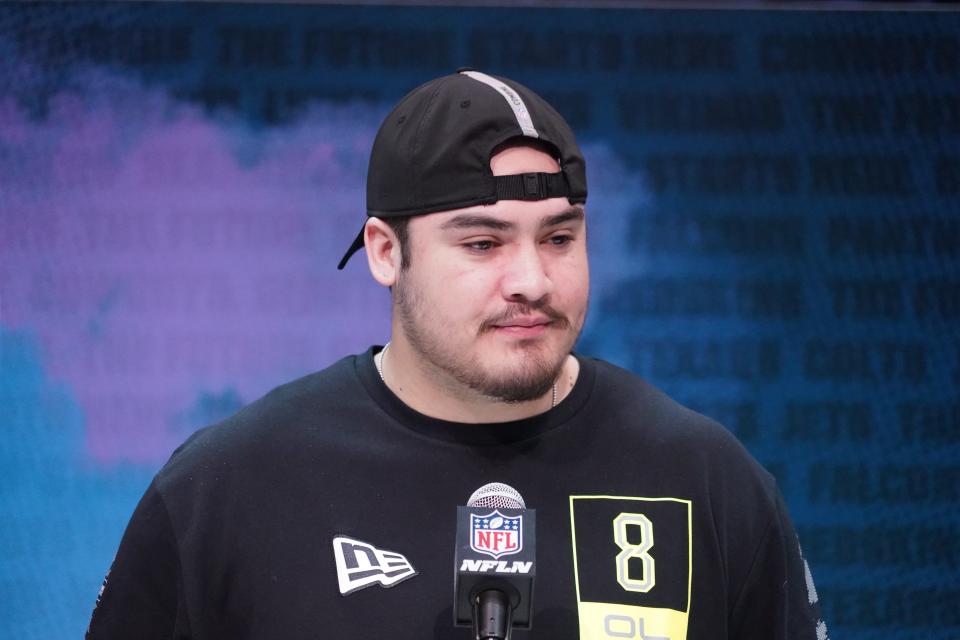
{"points": [[383, 251]]}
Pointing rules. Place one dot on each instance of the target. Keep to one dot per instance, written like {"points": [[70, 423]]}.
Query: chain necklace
{"points": [[378, 361]]}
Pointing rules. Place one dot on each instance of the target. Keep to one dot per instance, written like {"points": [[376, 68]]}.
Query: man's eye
{"points": [[559, 241], [480, 245]]}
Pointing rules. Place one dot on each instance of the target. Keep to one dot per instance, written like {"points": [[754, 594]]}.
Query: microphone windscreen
{"points": [[496, 495]]}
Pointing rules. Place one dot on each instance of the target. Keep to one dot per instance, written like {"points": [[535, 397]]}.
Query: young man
{"points": [[652, 521]]}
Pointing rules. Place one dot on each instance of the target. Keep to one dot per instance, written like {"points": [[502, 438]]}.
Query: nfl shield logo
{"points": [[496, 534]]}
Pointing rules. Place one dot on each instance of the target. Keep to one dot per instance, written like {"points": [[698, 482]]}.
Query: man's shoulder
{"points": [[282, 418], [647, 416], [631, 397]]}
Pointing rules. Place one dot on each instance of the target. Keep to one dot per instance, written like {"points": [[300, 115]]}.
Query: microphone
{"points": [[494, 563]]}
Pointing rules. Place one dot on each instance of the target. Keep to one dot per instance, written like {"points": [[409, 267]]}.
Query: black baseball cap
{"points": [[432, 153]]}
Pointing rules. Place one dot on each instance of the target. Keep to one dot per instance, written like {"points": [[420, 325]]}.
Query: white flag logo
{"points": [[360, 564]]}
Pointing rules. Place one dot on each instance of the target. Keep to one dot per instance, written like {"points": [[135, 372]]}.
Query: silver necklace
{"points": [[378, 361]]}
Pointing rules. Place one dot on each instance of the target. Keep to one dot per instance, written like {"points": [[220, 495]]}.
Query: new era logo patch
{"points": [[360, 564]]}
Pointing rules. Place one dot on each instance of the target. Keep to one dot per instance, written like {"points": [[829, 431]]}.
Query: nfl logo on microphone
{"points": [[495, 534]]}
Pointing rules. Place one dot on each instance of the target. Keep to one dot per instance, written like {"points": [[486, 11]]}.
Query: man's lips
{"points": [[523, 327], [527, 323], [523, 323]]}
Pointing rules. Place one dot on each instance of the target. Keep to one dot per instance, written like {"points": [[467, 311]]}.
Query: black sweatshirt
{"points": [[652, 521]]}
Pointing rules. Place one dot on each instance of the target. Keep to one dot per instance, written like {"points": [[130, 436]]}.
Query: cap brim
{"points": [[356, 246]]}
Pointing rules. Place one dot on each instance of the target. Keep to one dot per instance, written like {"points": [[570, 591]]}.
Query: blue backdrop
{"points": [[774, 225]]}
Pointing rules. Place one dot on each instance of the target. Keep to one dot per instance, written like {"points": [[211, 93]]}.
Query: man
{"points": [[653, 522]]}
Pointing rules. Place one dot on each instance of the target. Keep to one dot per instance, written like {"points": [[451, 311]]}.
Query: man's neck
{"points": [[435, 393]]}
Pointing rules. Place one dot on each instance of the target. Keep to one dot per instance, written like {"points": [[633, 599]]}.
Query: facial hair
{"points": [[531, 379]]}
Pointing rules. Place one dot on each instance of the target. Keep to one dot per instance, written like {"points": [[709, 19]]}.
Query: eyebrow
{"points": [[574, 212], [470, 220]]}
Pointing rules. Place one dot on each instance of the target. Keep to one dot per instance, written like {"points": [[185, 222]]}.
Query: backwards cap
{"points": [[432, 153]]}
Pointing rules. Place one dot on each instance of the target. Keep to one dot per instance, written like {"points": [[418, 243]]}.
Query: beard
{"points": [[531, 378]]}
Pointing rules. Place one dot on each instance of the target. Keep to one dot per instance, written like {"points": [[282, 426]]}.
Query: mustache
{"points": [[559, 320]]}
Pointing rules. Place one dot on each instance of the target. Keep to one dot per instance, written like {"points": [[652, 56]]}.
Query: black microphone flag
{"points": [[496, 551]]}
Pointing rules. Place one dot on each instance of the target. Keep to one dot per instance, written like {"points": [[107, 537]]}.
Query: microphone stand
{"points": [[492, 615]]}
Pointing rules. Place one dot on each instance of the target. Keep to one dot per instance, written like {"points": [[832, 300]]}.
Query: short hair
{"points": [[401, 229]]}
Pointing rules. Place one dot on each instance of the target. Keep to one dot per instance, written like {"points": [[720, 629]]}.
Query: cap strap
{"points": [[531, 186]]}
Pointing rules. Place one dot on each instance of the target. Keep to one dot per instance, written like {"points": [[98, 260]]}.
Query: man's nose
{"points": [[525, 277]]}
